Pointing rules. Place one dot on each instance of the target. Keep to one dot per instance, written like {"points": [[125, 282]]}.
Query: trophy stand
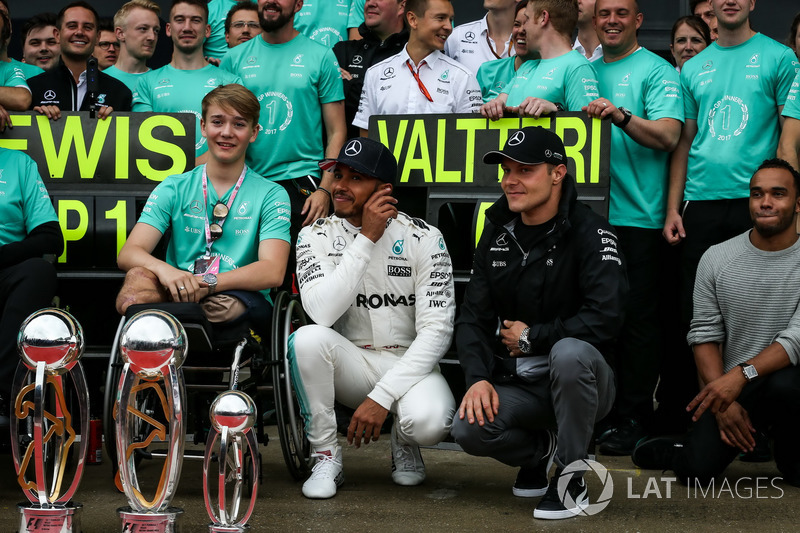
{"points": [[50, 344], [232, 414], [153, 346]]}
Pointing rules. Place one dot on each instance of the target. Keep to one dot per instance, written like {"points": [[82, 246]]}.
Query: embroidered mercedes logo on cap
{"points": [[353, 149], [49, 94], [516, 139], [548, 153]]}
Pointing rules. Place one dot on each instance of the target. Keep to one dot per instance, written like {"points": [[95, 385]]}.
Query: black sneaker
{"points": [[656, 453], [623, 439], [576, 499], [532, 482]]}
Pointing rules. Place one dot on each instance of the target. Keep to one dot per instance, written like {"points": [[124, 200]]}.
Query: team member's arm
{"points": [[789, 146], [469, 97], [142, 97], [475, 328], [434, 311], [318, 203], [580, 87], [367, 104], [673, 224]]}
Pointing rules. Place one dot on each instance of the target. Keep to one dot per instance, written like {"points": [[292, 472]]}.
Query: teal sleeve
{"points": [[356, 16], [142, 95], [227, 64], [663, 96], [157, 211], [14, 77], [37, 208], [689, 103], [275, 213], [581, 87], [485, 77], [786, 75], [331, 88]]}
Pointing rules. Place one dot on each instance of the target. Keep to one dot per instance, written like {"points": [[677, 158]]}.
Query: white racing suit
{"points": [[384, 313]]}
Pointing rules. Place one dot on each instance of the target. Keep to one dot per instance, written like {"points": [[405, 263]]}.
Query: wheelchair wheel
{"points": [[287, 316], [113, 374]]}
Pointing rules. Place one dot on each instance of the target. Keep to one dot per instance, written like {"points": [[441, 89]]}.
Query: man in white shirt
{"points": [[587, 42], [420, 79], [474, 43]]}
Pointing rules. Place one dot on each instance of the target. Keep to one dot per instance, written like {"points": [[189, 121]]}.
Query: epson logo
{"points": [[399, 271]]}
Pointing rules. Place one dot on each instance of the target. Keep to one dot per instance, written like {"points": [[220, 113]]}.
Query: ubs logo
{"points": [[517, 138]]}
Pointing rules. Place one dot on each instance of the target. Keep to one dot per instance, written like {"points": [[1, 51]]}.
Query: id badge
{"points": [[206, 265]]}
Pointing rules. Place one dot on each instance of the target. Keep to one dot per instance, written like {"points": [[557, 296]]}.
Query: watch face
{"points": [[750, 372], [210, 278]]}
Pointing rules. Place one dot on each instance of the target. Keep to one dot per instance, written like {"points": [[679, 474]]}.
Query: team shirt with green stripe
{"points": [[650, 88], [24, 203], [171, 90], [260, 211], [734, 93], [291, 80], [568, 79]]}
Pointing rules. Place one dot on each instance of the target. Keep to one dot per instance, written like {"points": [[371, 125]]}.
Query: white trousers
{"points": [[326, 367]]}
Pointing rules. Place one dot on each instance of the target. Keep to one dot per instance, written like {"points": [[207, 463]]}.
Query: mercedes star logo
{"points": [[389, 72], [516, 139], [49, 94], [353, 148], [501, 240], [357, 60], [339, 243], [470, 36]]}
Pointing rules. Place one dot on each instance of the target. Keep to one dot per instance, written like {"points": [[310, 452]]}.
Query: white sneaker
{"points": [[407, 466], [326, 474]]}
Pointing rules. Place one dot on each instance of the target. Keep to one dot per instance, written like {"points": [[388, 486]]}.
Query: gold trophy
{"points": [[232, 414], [50, 344], [153, 346]]}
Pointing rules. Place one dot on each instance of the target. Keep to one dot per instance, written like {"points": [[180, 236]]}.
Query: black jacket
{"points": [[57, 87], [571, 284], [356, 57]]}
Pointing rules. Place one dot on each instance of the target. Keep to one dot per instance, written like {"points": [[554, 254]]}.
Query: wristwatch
{"points": [[749, 371], [524, 343], [211, 279], [628, 115]]}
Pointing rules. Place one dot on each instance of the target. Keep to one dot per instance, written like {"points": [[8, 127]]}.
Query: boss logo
{"points": [[399, 271]]}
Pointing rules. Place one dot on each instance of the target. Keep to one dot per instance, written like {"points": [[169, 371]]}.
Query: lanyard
{"points": [[421, 85], [229, 204], [489, 43]]}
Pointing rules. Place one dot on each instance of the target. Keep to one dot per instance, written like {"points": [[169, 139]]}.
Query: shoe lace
{"points": [[405, 458], [326, 465]]}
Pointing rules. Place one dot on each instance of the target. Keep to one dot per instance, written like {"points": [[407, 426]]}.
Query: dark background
{"points": [[771, 17]]}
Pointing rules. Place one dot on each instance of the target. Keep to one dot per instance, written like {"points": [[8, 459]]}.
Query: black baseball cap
{"points": [[530, 146], [366, 156]]}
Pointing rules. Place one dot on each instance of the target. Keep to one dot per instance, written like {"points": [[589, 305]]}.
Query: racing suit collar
{"points": [[500, 215]]}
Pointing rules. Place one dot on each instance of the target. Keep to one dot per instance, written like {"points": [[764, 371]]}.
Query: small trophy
{"points": [[153, 346], [50, 344], [232, 415]]}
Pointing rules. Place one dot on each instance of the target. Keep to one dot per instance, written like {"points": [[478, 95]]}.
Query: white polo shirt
{"points": [[469, 44], [391, 89]]}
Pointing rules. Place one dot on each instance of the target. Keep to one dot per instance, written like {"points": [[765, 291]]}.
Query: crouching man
{"points": [[379, 286]]}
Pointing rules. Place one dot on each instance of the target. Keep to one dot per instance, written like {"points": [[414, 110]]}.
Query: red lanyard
{"points": [[489, 43], [229, 204], [421, 85]]}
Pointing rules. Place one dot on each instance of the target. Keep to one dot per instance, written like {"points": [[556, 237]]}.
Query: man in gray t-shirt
{"points": [[745, 333]]}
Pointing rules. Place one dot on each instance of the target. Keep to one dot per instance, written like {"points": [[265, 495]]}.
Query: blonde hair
{"points": [[121, 16]]}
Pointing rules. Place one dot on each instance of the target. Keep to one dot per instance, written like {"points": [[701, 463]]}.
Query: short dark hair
{"points": [[694, 3], [202, 4], [77, 3], [42, 20], [418, 6], [5, 34], [520, 6], [793, 32], [696, 23], [105, 24], [246, 5], [782, 164]]}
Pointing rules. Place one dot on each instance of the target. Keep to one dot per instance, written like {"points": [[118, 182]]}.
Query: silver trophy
{"points": [[153, 346], [50, 344], [232, 414]]}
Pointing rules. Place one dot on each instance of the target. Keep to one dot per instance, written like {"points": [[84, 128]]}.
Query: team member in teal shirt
{"points": [[180, 86], [789, 146], [230, 227], [328, 21], [215, 46], [641, 95], [29, 230], [494, 76], [562, 80]]}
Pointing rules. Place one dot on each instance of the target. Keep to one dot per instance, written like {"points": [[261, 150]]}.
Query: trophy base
{"points": [[36, 519], [216, 528], [142, 522]]}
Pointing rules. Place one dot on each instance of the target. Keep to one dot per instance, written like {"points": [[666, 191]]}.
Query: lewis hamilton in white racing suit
{"points": [[379, 286]]}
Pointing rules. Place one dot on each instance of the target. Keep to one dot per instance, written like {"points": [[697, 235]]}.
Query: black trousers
{"points": [[24, 288], [773, 404], [640, 344]]}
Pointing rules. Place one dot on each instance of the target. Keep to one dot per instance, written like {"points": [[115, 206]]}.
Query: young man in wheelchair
{"points": [[230, 226], [379, 286]]}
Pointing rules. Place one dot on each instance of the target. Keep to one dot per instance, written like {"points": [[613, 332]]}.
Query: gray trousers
{"points": [[577, 392]]}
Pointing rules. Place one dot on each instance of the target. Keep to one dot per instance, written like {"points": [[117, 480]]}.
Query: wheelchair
{"points": [[237, 355]]}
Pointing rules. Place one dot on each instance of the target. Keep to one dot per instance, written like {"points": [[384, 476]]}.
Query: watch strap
{"points": [[625, 120]]}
